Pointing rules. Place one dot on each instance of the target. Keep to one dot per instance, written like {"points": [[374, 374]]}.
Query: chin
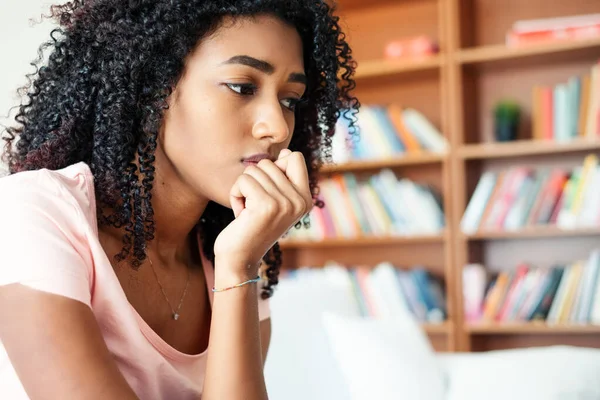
{"points": [[220, 187], [225, 204], [222, 199]]}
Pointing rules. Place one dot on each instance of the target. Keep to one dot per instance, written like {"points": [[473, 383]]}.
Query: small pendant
{"points": [[175, 316]]}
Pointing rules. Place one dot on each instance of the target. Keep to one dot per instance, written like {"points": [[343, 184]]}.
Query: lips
{"points": [[256, 158]]}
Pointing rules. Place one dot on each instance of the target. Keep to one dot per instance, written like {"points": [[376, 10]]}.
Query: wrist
{"points": [[230, 272]]}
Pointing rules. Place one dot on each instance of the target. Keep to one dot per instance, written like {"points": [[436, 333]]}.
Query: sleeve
{"points": [[39, 245]]}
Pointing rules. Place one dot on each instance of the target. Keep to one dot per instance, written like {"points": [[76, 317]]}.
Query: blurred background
{"points": [[457, 256], [21, 33]]}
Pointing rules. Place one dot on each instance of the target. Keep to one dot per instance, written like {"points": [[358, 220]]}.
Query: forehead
{"points": [[263, 37]]}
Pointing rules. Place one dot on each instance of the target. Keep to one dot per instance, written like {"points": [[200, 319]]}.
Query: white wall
{"points": [[19, 41]]}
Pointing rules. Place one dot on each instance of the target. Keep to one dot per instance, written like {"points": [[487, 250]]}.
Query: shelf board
{"points": [[531, 328], [534, 232], [441, 328], [354, 5], [375, 68], [399, 161], [525, 148], [501, 52], [361, 242]]}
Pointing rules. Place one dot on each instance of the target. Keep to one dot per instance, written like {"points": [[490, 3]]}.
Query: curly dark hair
{"points": [[101, 96]]}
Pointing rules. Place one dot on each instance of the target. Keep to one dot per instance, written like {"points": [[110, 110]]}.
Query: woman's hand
{"points": [[267, 200]]}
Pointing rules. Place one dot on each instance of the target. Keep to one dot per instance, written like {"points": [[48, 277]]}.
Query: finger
{"points": [[236, 199], [294, 167], [277, 176], [264, 179], [237, 205], [284, 153], [243, 190], [285, 187]]}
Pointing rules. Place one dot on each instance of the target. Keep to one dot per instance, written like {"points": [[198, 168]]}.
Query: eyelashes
{"points": [[244, 89], [249, 89], [292, 103]]}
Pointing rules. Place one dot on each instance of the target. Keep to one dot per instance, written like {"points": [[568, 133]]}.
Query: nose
{"points": [[271, 124]]}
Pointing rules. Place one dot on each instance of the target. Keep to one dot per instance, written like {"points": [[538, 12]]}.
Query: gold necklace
{"points": [[175, 312]]}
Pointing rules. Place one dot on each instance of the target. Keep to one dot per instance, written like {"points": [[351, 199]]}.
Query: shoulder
{"points": [[45, 231], [49, 182], [61, 194]]}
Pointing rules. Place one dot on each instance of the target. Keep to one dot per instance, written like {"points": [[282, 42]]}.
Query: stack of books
{"points": [[548, 30]]}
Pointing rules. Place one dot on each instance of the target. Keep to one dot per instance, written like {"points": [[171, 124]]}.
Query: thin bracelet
{"points": [[238, 285]]}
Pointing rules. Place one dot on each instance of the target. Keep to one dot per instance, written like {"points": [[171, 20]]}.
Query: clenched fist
{"points": [[267, 200]]}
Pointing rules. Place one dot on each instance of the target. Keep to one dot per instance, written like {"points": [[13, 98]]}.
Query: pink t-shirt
{"points": [[55, 211]]}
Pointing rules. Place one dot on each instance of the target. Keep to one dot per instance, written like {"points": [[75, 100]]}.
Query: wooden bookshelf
{"points": [[400, 161], [456, 90], [525, 148], [379, 68], [534, 232], [487, 54], [481, 71], [362, 241], [530, 328], [443, 328]]}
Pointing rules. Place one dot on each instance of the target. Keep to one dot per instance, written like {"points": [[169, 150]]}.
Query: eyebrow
{"points": [[263, 66]]}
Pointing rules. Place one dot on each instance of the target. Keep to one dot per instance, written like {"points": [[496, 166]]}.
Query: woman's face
{"points": [[234, 101]]}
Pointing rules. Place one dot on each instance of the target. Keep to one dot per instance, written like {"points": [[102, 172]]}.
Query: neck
{"points": [[177, 210]]}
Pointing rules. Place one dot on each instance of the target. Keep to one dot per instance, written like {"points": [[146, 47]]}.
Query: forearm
{"points": [[234, 365]]}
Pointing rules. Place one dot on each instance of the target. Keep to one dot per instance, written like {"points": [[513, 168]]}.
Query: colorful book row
{"points": [[562, 294], [568, 110], [380, 205], [386, 291], [521, 197], [386, 132]]}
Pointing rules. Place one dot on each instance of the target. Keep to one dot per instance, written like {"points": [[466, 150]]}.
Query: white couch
{"points": [[322, 349]]}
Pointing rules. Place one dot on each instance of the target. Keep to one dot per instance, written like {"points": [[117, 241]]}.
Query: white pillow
{"points": [[545, 373], [300, 364], [385, 358]]}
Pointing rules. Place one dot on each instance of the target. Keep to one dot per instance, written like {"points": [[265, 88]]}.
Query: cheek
{"points": [[291, 124], [203, 126]]}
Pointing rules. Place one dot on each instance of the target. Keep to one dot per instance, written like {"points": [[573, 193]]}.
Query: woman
{"points": [[162, 152]]}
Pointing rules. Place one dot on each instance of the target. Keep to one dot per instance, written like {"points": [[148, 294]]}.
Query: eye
{"points": [[244, 89], [290, 103]]}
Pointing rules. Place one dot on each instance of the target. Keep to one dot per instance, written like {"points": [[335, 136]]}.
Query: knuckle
{"points": [[264, 162], [307, 202], [250, 169], [245, 178], [300, 156], [309, 207], [287, 207], [271, 206], [299, 205]]}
